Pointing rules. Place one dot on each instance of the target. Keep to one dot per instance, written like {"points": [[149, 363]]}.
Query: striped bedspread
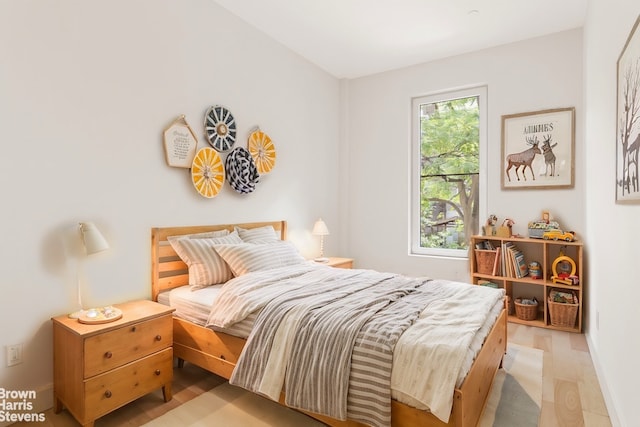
{"points": [[327, 336]]}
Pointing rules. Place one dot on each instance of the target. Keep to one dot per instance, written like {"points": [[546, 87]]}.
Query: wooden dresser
{"points": [[98, 368]]}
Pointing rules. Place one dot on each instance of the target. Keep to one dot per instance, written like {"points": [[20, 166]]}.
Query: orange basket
{"points": [[563, 314], [484, 260]]}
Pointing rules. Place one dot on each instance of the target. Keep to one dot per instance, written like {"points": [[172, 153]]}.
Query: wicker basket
{"points": [[563, 314], [485, 260], [526, 311]]}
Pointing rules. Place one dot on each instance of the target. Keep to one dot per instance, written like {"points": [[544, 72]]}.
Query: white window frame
{"points": [[414, 196]]}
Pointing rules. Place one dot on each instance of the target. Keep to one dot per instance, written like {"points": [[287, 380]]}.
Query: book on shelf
{"points": [[515, 264], [496, 263], [563, 297], [485, 245], [522, 270]]}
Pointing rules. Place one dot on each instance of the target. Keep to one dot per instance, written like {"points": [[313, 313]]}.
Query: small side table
{"points": [[99, 368], [338, 262]]}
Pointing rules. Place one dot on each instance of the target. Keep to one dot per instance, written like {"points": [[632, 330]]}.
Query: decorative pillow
{"points": [[264, 234], [219, 233], [205, 265], [247, 257]]}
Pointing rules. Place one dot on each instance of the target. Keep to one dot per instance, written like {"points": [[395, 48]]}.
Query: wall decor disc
{"points": [[220, 128], [242, 173], [207, 172], [262, 150]]}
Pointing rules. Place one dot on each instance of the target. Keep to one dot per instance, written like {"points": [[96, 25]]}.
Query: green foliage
{"points": [[450, 146]]}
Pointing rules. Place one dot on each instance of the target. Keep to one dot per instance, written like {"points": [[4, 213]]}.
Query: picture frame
{"points": [[180, 143], [538, 149], [628, 119]]}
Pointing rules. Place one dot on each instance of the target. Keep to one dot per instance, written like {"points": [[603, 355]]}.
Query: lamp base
{"points": [[321, 259], [76, 314], [99, 315]]}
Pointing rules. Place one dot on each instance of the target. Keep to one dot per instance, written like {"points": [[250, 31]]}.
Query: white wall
{"points": [[521, 77], [612, 230], [87, 89]]}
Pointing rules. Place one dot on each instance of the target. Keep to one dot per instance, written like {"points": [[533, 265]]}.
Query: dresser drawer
{"points": [[111, 349], [113, 389]]}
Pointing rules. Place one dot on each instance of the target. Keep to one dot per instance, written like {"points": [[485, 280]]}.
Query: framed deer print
{"points": [[538, 149], [628, 120]]}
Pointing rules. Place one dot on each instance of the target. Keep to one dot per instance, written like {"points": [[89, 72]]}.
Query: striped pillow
{"points": [[219, 233], [205, 265], [264, 234], [247, 257]]}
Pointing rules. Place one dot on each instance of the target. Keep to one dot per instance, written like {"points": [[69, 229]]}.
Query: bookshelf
{"points": [[504, 275]]}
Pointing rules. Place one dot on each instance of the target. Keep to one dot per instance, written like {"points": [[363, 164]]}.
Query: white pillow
{"points": [[247, 257], [263, 234], [205, 265], [207, 234]]}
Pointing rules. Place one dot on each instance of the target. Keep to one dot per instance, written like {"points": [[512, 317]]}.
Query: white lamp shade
{"points": [[320, 228], [93, 240]]}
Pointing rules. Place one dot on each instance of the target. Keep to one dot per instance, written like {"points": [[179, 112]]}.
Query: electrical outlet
{"points": [[14, 354]]}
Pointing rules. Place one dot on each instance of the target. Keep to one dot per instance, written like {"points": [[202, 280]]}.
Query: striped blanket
{"points": [[327, 336]]}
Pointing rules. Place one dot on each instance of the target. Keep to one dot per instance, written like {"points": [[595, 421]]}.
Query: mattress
{"points": [[195, 306]]}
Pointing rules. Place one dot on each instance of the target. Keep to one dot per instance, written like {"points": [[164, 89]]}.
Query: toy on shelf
{"points": [[553, 234], [506, 229], [538, 227], [564, 270], [535, 270], [489, 229]]}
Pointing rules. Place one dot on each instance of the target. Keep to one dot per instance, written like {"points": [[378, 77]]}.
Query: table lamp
{"points": [[320, 229], [93, 242]]}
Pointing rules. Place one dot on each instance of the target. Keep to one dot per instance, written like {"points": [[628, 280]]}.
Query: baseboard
{"points": [[42, 402], [609, 401]]}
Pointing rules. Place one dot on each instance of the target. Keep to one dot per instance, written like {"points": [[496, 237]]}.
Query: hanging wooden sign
{"points": [[180, 144]]}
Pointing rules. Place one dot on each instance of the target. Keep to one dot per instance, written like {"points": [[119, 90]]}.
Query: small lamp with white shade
{"points": [[93, 242], [320, 229]]}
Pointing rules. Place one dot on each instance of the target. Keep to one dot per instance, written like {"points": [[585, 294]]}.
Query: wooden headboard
{"points": [[167, 269]]}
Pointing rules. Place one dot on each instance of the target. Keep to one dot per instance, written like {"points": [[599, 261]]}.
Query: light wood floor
{"points": [[571, 394]]}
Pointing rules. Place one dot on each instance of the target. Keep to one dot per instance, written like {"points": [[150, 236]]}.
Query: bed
{"points": [[219, 352]]}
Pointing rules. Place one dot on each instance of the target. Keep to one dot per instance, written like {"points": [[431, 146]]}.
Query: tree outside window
{"points": [[449, 139]]}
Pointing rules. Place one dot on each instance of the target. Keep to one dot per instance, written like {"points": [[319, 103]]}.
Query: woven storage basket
{"points": [[526, 311], [563, 314], [485, 260]]}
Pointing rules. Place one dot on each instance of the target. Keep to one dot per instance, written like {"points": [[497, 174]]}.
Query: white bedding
{"points": [[195, 306]]}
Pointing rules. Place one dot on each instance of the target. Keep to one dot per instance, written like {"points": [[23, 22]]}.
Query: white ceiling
{"points": [[354, 38]]}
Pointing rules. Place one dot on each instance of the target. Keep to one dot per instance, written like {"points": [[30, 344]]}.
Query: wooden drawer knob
{"points": [[158, 338], [133, 329], [108, 355], [157, 372], [107, 394]]}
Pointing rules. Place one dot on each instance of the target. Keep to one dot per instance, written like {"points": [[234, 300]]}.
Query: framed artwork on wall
{"points": [[628, 120], [538, 149], [179, 143]]}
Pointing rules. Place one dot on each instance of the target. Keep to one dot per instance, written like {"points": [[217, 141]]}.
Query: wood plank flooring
{"points": [[571, 394]]}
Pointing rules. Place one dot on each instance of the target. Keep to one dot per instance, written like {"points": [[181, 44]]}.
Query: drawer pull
{"points": [[222, 357], [158, 338], [107, 394], [108, 355], [133, 329], [157, 372]]}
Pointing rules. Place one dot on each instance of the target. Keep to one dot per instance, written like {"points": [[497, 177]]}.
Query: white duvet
{"points": [[431, 357]]}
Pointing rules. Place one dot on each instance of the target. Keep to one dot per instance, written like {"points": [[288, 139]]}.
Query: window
{"points": [[448, 146]]}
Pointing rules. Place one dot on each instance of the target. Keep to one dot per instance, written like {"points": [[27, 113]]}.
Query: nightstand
{"points": [[99, 368], [340, 262]]}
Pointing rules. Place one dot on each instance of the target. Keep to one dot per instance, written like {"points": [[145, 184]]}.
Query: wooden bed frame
{"points": [[218, 352]]}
